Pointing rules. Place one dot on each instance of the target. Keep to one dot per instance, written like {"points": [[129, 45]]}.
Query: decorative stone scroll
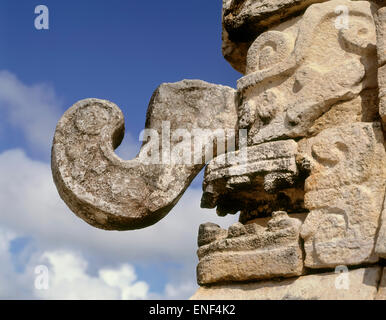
{"points": [[114, 194]]}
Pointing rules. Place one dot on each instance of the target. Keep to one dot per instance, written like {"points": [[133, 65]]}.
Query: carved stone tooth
{"points": [[276, 181], [210, 232], [253, 252], [255, 182], [254, 228], [236, 230], [237, 181], [281, 220]]}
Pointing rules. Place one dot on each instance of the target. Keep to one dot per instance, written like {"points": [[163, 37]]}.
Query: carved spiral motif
{"points": [[268, 50], [92, 118], [360, 36]]}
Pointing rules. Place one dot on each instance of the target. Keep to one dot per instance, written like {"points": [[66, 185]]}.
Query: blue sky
{"points": [[115, 50]]}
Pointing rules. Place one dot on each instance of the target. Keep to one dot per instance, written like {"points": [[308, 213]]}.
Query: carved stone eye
{"points": [[268, 50], [360, 36]]}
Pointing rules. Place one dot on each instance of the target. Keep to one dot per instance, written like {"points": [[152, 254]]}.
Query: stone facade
{"points": [[362, 286]]}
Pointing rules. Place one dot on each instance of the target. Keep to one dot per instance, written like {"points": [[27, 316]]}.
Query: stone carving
{"points": [[244, 20], [250, 252], [292, 90], [110, 193], [344, 194], [292, 82], [310, 179], [267, 181]]}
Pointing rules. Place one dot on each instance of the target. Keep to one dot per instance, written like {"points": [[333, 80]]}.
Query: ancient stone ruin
{"points": [[297, 150]]}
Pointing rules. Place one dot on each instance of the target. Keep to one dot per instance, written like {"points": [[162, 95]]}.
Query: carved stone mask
{"points": [[313, 179]]}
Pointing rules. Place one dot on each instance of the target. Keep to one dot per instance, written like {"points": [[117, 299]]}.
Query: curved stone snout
{"points": [[114, 194]]}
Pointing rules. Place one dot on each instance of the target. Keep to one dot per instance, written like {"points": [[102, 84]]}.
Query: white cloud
{"points": [[69, 280], [68, 277], [34, 110], [30, 206], [7, 278]]}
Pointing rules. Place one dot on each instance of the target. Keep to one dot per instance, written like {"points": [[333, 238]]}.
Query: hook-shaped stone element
{"points": [[113, 194]]}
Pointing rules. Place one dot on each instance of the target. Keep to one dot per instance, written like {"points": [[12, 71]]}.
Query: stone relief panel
{"points": [[344, 193], [305, 67]]}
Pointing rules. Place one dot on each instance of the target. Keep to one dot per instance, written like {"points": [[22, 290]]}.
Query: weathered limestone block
{"points": [[250, 252], [381, 295], [244, 20], [380, 22], [324, 286], [380, 248], [110, 193], [344, 193], [259, 180], [234, 52], [299, 71]]}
